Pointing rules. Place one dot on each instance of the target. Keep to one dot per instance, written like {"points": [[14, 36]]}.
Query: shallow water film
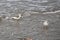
{"points": [[25, 19]]}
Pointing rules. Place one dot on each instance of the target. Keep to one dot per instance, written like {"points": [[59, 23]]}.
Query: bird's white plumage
{"points": [[45, 23], [17, 17]]}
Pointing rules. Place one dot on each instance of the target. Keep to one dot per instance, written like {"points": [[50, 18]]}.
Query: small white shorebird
{"points": [[17, 18], [45, 23], [45, 26]]}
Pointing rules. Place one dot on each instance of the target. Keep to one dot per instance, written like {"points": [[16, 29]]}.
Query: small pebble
{"points": [[25, 38]]}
